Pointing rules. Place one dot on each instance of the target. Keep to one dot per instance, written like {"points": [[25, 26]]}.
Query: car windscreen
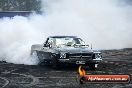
{"points": [[59, 42]]}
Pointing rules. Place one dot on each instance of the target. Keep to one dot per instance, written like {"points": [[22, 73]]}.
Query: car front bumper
{"points": [[80, 61]]}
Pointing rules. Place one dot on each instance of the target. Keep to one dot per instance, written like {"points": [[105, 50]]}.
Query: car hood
{"points": [[75, 50]]}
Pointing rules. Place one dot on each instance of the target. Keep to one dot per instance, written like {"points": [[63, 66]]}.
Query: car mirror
{"points": [[49, 45], [45, 45]]}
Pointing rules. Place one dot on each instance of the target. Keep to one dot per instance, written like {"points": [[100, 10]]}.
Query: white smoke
{"points": [[104, 23], [16, 37]]}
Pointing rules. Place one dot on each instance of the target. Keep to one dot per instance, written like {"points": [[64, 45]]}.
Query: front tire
{"points": [[82, 80], [54, 63], [93, 66]]}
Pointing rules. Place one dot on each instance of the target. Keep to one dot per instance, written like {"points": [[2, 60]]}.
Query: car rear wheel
{"points": [[34, 55]]}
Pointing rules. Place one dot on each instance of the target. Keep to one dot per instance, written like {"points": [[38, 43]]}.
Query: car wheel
{"points": [[82, 80], [54, 63], [93, 66], [34, 55]]}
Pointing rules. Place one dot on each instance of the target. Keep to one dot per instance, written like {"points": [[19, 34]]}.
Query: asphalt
{"points": [[33, 76]]}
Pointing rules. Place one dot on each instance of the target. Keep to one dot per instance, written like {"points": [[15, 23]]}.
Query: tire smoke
{"points": [[104, 23]]}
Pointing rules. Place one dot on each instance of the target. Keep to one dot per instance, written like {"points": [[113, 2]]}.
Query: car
{"points": [[61, 50]]}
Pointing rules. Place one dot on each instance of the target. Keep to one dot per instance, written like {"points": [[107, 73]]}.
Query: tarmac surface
{"points": [[32, 76]]}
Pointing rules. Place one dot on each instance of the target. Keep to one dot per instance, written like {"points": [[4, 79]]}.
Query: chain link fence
{"points": [[20, 5]]}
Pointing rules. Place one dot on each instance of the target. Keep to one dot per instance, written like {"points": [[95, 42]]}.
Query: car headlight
{"points": [[62, 55], [97, 56]]}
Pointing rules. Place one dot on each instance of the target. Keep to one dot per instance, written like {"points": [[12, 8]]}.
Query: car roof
{"points": [[63, 37]]}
